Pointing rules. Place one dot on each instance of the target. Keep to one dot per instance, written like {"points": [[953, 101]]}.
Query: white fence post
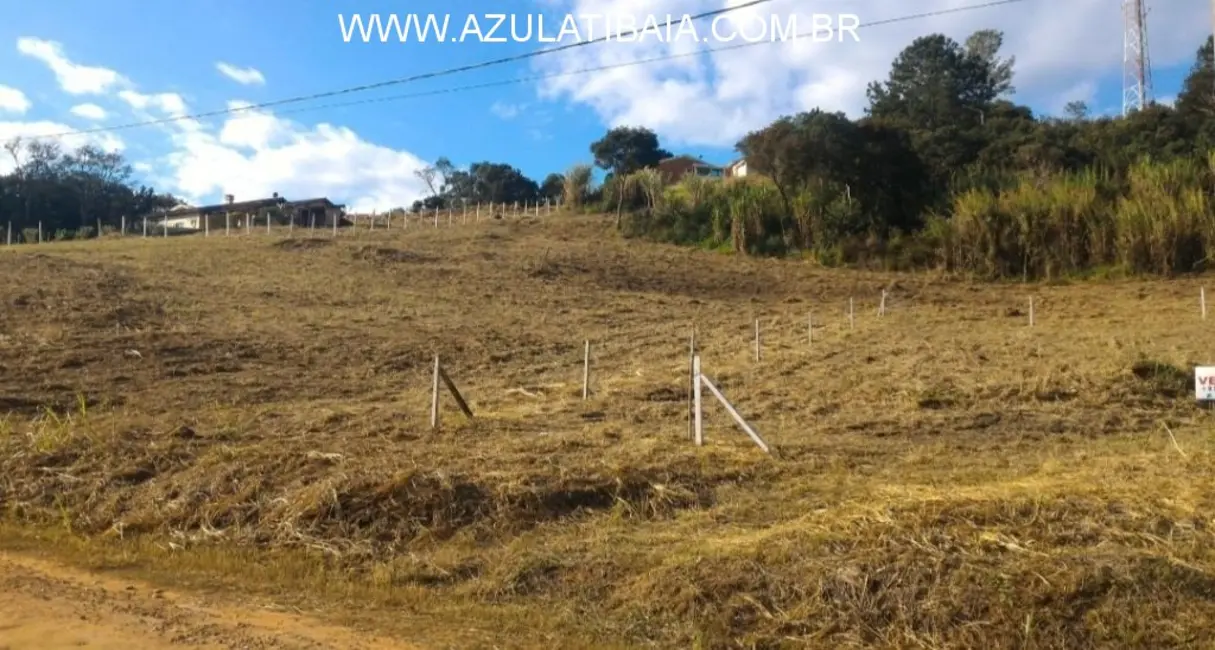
{"points": [[698, 431]]}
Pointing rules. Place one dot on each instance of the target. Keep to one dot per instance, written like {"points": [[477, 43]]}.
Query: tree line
{"points": [[69, 192], [945, 169]]}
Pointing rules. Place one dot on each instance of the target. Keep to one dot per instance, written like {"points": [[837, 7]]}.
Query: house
{"points": [[318, 212], [737, 169], [674, 169]]}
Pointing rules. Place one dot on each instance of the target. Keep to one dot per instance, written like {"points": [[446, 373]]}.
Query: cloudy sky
{"points": [[81, 65]]}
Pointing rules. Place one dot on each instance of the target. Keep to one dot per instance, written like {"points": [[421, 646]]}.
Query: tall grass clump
{"points": [[1043, 226], [1164, 223], [577, 186]]}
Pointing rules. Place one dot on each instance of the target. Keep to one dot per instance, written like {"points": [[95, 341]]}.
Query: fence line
{"points": [[356, 221]]}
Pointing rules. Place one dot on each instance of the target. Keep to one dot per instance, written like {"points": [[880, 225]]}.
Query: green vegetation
{"points": [[945, 172]]}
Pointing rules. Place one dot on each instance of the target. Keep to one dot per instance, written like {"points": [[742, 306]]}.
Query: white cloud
{"points": [[243, 76], [89, 112], [255, 153], [171, 104], [73, 78], [717, 98], [13, 100], [506, 111]]}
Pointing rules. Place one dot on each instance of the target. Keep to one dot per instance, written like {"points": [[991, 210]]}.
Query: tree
{"points": [[1196, 101], [794, 150], [625, 149], [65, 191], [427, 175], [936, 82], [553, 187], [1076, 111]]}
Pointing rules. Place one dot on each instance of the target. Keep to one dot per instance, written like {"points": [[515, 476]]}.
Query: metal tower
{"points": [[1136, 66]]}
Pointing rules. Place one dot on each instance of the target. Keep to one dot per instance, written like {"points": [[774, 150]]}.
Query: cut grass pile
{"points": [[945, 476]]}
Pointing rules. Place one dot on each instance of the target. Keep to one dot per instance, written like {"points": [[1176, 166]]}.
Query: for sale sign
{"points": [[1204, 383]]}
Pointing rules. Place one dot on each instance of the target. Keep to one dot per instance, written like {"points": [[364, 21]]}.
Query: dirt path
{"points": [[49, 607]]}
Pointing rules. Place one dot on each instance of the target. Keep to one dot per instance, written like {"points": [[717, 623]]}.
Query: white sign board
{"points": [[1204, 383]]}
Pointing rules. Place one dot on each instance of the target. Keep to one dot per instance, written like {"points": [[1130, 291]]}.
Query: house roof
{"points": [[255, 204], [317, 202], [224, 207], [692, 159]]}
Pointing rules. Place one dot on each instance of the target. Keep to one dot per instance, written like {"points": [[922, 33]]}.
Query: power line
{"points": [[410, 79], [627, 64]]}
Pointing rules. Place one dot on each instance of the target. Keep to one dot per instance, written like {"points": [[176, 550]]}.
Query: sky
{"points": [[74, 65]]}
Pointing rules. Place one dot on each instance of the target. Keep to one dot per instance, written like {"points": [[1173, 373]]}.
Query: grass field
{"points": [[252, 414]]}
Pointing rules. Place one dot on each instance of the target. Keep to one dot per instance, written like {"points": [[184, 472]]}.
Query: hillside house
{"points": [[737, 169], [318, 212], [674, 169]]}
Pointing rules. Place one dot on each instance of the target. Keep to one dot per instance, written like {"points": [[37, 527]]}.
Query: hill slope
{"points": [[253, 411]]}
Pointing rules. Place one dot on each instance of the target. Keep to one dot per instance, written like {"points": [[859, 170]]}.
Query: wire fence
{"points": [[228, 224]]}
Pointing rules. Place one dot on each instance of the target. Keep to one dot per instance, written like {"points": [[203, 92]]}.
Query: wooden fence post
{"points": [[691, 379], [434, 397], [586, 370], [698, 432], [756, 340]]}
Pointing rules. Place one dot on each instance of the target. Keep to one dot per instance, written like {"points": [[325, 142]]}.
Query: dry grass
{"points": [[253, 412]]}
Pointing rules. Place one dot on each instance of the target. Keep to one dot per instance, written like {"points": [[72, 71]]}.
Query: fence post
{"points": [[586, 370], [145, 227], [698, 431], [756, 340], [227, 223], [691, 378], [122, 228], [99, 228], [39, 232], [434, 397], [436, 216], [882, 305]]}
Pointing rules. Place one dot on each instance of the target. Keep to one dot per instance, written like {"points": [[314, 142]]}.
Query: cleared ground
{"points": [[249, 416]]}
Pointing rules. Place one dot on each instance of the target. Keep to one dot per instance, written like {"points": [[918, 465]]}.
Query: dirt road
{"points": [[49, 607]]}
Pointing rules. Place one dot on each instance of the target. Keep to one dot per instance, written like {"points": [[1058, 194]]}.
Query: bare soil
{"points": [[47, 606]]}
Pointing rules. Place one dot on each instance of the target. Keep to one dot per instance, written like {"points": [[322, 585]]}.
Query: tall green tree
{"points": [[625, 149]]}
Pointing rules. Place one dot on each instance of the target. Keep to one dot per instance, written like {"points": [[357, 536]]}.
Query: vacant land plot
{"points": [[251, 414]]}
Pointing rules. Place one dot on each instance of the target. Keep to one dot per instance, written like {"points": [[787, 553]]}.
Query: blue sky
{"points": [[698, 106]]}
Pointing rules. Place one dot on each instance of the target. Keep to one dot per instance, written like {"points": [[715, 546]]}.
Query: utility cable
{"points": [[627, 64], [403, 80]]}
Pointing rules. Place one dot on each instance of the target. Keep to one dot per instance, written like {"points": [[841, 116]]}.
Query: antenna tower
{"points": [[1136, 66]]}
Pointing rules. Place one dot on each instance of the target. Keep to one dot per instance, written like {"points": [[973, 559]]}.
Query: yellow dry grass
{"points": [[251, 413]]}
